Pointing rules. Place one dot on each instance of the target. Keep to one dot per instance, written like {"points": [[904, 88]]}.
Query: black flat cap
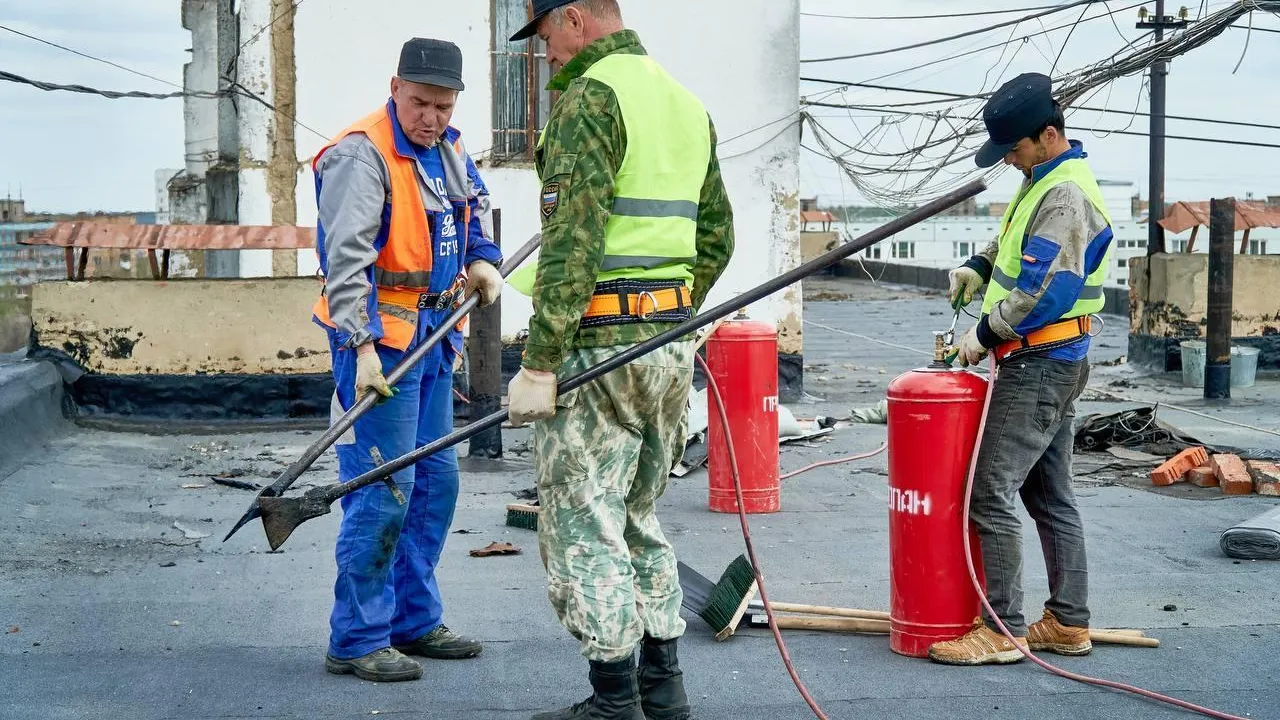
{"points": [[431, 62], [1015, 111], [537, 9]]}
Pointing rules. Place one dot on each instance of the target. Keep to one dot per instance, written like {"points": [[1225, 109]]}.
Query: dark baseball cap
{"points": [[431, 62], [537, 9], [1015, 111]]}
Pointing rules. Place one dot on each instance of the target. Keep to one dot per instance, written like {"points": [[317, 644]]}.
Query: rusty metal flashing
{"points": [[175, 237], [84, 236]]}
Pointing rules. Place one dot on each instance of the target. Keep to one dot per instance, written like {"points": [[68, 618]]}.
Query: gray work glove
{"points": [[369, 372], [531, 396], [485, 279], [971, 351], [966, 282]]}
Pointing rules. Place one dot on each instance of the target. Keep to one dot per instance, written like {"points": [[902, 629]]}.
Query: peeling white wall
{"points": [[744, 66], [200, 115], [256, 124]]}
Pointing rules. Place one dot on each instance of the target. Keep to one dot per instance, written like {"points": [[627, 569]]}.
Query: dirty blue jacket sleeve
{"points": [[1070, 235], [353, 187]]}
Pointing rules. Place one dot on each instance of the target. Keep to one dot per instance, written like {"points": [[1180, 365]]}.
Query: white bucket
{"points": [[1244, 366], [1193, 355]]}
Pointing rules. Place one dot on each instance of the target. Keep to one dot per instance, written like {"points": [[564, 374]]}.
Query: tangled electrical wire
{"points": [[948, 131]]}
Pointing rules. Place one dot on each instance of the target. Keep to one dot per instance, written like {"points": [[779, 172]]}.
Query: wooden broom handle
{"points": [[1113, 638], [1134, 638], [831, 611], [838, 624]]}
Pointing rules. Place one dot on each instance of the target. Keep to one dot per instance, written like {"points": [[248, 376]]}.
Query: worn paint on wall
{"points": [[282, 173], [1174, 302], [183, 327], [786, 218]]}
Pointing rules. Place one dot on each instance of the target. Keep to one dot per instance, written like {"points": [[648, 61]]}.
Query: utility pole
{"points": [[1222, 232], [484, 350], [1159, 71]]}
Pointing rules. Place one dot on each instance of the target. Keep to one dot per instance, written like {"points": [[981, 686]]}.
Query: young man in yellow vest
{"points": [[403, 216], [636, 228], [1044, 277]]}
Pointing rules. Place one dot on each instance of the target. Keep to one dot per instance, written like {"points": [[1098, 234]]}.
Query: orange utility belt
{"points": [[408, 298], [619, 302], [1048, 337], [452, 296]]}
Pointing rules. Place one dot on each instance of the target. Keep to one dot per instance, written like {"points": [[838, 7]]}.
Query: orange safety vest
{"points": [[403, 267]]}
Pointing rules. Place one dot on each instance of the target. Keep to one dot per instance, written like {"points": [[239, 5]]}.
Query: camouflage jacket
{"points": [[586, 124]]}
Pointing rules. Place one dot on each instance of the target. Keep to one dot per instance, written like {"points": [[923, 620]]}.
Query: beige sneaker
{"points": [[979, 646], [1049, 634]]}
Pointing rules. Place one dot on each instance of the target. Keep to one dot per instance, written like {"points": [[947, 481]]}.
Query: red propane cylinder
{"points": [[933, 422], [742, 356]]}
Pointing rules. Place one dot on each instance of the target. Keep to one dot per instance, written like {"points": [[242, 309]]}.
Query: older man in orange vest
{"points": [[404, 223]]}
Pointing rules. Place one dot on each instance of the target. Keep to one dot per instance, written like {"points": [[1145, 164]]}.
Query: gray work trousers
{"points": [[1026, 450]]}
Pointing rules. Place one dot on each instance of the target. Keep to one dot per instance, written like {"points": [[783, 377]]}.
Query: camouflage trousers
{"points": [[602, 463]]}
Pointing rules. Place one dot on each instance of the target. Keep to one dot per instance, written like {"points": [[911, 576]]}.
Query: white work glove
{"points": [[531, 396], [964, 280], [485, 279], [971, 351], [369, 372]]}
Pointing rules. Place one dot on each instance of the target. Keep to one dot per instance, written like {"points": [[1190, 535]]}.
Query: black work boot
{"points": [[616, 695], [662, 695]]}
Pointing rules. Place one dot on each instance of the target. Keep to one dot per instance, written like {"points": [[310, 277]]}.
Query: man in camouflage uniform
{"points": [[636, 228]]}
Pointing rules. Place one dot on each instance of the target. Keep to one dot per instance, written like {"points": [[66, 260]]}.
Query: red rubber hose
{"points": [[973, 576], [746, 536], [828, 463]]}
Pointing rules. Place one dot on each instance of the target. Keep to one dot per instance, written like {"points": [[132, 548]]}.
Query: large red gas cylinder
{"points": [[742, 356], [933, 422]]}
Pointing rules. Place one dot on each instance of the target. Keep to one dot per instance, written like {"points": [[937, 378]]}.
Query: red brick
{"points": [[1266, 477], [1232, 474], [1202, 477], [1178, 465]]}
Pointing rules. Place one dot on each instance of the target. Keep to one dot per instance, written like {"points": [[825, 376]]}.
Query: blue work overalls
{"points": [[386, 592]]}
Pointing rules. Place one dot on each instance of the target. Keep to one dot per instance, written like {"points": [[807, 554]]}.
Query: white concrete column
{"points": [[256, 123]]}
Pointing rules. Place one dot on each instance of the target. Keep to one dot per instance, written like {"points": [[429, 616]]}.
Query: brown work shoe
{"points": [[1049, 634], [385, 665], [979, 646], [442, 644]]}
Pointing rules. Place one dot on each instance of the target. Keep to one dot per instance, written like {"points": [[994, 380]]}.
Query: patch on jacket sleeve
{"points": [[550, 198]]}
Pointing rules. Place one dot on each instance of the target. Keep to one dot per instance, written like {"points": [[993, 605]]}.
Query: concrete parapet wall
{"points": [[1171, 305], [183, 327], [1174, 300], [1117, 299]]}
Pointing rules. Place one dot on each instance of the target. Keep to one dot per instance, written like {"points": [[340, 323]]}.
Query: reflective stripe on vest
{"points": [[652, 228], [405, 259], [1013, 239]]}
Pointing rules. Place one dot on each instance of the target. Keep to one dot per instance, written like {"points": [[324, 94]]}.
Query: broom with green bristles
{"points": [[523, 516], [723, 604]]}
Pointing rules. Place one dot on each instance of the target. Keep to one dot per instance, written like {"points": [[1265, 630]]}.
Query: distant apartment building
{"points": [[25, 265], [947, 240]]}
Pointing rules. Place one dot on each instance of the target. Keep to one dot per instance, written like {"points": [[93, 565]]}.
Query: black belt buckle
{"points": [[425, 300], [453, 292]]}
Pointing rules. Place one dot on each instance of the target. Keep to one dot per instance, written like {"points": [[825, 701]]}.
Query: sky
{"points": [[1200, 84], [68, 151]]}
